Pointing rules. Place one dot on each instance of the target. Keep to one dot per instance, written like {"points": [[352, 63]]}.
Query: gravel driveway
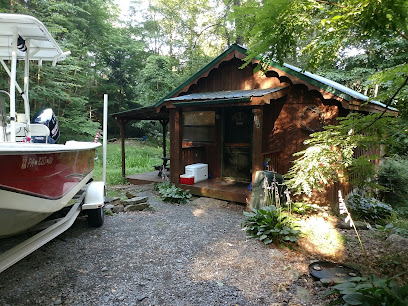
{"points": [[194, 254]]}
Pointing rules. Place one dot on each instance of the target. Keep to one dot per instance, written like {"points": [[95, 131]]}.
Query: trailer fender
{"points": [[95, 196]]}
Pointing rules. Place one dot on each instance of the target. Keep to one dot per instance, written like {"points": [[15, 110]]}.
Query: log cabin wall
{"points": [[287, 121], [282, 132], [229, 76], [291, 120], [283, 118]]}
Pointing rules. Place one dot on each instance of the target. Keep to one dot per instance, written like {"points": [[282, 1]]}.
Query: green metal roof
{"points": [[327, 85], [226, 94], [142, 113], [213, 102], [313, 79], [318, 81]]}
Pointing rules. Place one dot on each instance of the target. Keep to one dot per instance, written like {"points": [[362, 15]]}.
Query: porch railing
{"points": [[274, 163], [193, 155]]}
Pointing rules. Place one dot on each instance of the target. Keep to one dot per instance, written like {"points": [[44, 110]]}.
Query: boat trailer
{"points": [[90, 199]]}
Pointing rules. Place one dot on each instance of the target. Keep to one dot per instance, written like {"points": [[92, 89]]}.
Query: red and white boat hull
{"points": [[37, 180]]}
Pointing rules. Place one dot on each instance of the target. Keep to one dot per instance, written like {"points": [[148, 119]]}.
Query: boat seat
{"points": [[38, 129], [34, 130]]}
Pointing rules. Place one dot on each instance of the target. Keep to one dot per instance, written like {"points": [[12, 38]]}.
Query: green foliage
{"points": [[393, 174], [170, 193], [158, 79], [270, 225], [330, 157], [300, 208], [139, 159], [371, 210], [369, 291], [394, 228], [324, 34], [398, 134], [131, 62]]}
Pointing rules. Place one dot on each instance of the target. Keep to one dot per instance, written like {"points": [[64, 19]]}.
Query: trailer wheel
{"points": [[96, 217]]}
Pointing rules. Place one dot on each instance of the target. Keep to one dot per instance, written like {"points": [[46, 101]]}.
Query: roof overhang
{"points": [[141, 113], [350, 99], [356, 100], [251, 96]]}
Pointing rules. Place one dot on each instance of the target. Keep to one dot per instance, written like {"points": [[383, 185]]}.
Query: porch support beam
{"points": [[122, 124], [164, 133], [257, 157], [175, 145]]}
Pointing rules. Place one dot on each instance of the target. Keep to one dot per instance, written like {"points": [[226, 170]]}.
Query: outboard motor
{"points": [[47, 117]]}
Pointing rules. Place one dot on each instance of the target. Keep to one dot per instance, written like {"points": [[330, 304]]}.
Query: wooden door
{"points": [[237, 143]]}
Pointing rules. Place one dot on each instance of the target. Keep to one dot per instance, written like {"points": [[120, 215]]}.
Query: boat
{"points": [[38, 177]]}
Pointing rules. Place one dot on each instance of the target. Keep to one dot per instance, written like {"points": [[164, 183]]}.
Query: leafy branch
{"points": [[386, 106]]}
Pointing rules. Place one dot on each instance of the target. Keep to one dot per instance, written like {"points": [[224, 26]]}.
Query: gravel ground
{"points": [[194, 254]]}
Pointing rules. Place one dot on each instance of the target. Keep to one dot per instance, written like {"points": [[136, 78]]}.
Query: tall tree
{"points": [[274, 29], [317, 32], [104, 59], [190, 31]]}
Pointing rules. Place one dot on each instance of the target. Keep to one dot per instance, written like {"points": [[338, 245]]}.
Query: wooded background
{"points": [[361, 44]]}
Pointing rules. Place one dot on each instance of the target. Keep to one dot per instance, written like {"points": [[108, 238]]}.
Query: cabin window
{"points": [[199, 126]]}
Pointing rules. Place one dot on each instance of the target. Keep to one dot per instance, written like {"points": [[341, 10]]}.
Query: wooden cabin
{"points": [[239, 121]]}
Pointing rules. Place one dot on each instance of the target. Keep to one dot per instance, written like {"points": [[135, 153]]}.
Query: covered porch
{"points": [[212, 188]]}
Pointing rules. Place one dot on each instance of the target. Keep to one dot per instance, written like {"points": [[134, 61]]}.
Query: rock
{"points": [[137, 207], [295, 274], [130, 195], [397, 243], [303, 294], [141, 297], [318, 284], [58, 301], [112, 200], [109, 207], [359, 225], [135, 200], [118, 209]]}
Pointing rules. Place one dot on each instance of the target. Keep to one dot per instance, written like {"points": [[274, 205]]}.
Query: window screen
{"points": [[199, 126]]}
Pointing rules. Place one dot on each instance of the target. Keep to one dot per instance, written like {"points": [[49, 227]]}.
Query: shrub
{"points": [[392, 228], [369, 291], [370, 210], [301, 208], [270, 225], [393, 174], [170, 193]]}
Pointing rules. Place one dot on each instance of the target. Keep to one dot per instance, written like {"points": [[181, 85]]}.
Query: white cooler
{"points": [[199, 171]]}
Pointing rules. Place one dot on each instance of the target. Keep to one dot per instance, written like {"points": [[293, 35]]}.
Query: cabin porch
{"points": [[212, 188]]}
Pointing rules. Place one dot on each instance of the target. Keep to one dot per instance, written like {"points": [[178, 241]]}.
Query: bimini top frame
{"points": [[25, 38]]}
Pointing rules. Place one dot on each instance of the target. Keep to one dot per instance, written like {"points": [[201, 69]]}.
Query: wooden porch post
{"points": [[175, 144], [164, 132], [122, 125], [257, 158]]}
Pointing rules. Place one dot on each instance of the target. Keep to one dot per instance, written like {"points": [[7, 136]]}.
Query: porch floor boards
{"points": [[212, 188], [145, 178]]}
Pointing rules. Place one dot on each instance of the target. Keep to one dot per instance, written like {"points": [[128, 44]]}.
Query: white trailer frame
{"points": [[90, 198]]}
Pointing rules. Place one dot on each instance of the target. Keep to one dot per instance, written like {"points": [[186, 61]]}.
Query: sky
{"points": [[124, 5]]}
